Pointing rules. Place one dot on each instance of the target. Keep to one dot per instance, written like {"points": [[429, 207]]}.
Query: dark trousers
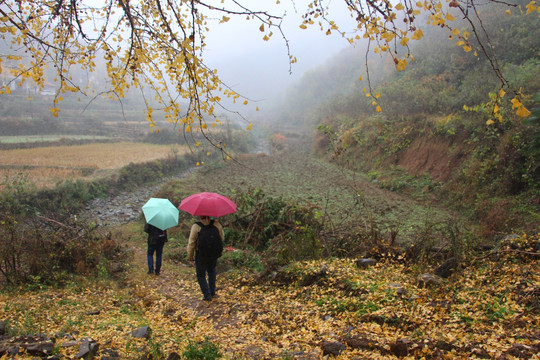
{"points": [[158, 249], [206, 266]]}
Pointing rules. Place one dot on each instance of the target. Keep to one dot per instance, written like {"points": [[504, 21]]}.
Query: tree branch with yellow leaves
{"points": [[160, 45]]}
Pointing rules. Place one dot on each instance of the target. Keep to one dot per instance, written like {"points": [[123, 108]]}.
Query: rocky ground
{"points": [[126, 207]]}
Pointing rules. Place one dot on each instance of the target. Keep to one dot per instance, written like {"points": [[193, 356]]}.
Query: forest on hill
{"points": [[436, 133]]}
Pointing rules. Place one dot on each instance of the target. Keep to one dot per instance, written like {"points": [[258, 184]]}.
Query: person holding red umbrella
{"points": [[205, 246], [206, 237]]}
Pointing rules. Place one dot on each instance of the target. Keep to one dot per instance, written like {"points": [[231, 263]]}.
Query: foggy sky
{"points": [[258, 69]]}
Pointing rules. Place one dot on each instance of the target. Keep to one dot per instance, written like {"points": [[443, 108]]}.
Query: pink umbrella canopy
{"points": [[208, 204]]}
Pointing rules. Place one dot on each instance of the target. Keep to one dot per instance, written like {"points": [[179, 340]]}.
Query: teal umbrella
{"points": [[161, 213]]}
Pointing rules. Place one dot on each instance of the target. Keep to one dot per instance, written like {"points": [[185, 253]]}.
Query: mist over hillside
{"points": [[440, 81]]}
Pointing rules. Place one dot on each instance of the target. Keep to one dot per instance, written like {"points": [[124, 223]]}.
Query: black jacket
{"points": [[156, 236]]}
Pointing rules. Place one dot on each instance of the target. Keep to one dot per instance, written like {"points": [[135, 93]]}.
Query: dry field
{"points": [[45, 166]]}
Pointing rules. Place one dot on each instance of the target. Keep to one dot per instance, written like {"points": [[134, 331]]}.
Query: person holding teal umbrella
{"points": [[156, 241], [160, 214]]}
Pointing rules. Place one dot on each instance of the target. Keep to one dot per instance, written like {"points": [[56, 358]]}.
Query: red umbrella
{"points": [[208, 204]]}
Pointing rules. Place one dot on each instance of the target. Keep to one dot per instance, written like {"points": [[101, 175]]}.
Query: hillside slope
{"points": [[447, 131]]}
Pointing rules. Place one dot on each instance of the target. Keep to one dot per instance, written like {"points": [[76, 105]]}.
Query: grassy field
{"points": [[45, 166], [344, 198], [47, 138]]}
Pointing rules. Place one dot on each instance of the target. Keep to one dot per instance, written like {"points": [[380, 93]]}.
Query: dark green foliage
{"points": [[484, 171], [204, 350], [284, 230], [242, 259]]}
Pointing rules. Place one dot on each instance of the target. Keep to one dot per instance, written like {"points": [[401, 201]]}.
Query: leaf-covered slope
{"points": [[488, 310]]}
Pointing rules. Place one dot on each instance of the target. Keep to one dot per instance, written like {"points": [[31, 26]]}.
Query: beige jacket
{"points": [[194, 235]]}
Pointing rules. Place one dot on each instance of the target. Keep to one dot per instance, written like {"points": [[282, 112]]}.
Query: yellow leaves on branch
{"points": [[401, 64], [418, 34], [521, 110], [160, 58], [168, 62], [532, 7], [497, 109], [54, 111]]}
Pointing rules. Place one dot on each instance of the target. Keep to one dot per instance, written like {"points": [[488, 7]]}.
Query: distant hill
{"points": [[431, 139]]}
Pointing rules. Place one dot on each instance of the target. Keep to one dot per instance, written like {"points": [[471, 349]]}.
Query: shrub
{"points": [[204, 350], [287, 230], [43, 248], [243, 259]]}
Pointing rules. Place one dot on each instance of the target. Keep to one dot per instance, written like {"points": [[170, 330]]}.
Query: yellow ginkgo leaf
{"points": [[418, 34], [523, 112], [489, 122], [261, 28], [530, 7], [400, 6], [378, 109], [401, 65]]}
